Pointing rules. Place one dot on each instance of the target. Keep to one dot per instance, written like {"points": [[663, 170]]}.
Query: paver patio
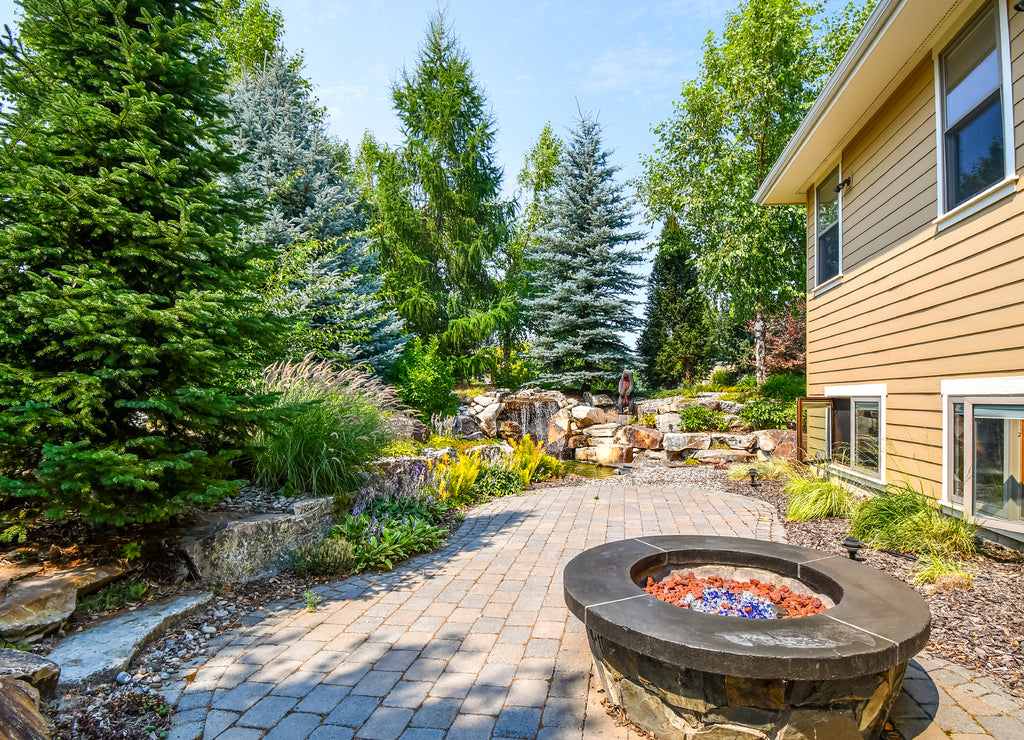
{"points": [[474, 640]]}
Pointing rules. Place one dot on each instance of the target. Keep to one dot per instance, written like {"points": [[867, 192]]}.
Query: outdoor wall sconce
{"points": [[846, 182], [1019, 7], [851, 544]]}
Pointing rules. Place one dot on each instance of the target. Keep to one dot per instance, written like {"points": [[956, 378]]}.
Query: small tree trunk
{"points": [[760, 350]]}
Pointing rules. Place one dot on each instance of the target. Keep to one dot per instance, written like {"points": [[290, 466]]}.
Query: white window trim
{"points": [[867, 392], [836, 279], [946, 218], [963, 387]]}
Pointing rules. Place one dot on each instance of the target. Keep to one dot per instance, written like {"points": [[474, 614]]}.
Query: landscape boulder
{"points": [[40, 672], [683, 442], [585, 416], [606, 454], [777, 442], [648, 439], [491, 454], [730, 407], [489, 419], [411, 428], [468, 425], [41, 604], [510, 430], [723, 456], [745, 442], [19, 712]]}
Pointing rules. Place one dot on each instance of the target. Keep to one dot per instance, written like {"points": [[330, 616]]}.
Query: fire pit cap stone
{"points": [[876, 624]]}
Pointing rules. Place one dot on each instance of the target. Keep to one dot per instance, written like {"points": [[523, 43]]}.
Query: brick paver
{"points": [[474, 640]]}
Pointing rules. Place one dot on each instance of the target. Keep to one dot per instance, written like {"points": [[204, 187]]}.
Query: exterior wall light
{"points": [[844, 183]]}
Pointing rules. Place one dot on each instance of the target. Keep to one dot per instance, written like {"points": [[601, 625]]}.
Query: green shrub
{"points": [[691, 461], [771, 469], [328, 557], [455, 479], [527, 459], [332, 423], [768, 414], [496, 481], [426, 379], [695, 418], [816, 498], [650, 421], [932, 568], [783, 387], [902, 519], [548, 468], [723, 376], [380, 543], [114, 596]]}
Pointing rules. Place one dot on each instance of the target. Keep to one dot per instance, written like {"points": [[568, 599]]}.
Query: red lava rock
{"points": [[674, 591]]}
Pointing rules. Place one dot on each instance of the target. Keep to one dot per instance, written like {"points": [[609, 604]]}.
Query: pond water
{"points": [[589, 470]]}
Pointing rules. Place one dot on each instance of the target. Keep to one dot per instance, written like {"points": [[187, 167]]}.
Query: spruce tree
{"points": [[439, 217], [126, 305], [584, 280], [326, 276], [677, 341]]}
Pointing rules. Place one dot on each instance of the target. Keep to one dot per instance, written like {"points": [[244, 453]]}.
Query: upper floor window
{"points": [[827, 256], [972, 119]]}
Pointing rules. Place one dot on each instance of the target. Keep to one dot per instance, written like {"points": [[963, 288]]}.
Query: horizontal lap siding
{"points": [[918, 305]]}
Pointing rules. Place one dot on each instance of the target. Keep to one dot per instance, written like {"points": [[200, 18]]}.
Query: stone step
{"points": [[724, 456], [97, 655]]}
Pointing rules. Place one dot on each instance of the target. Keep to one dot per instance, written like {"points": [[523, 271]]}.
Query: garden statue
{"points": [[626, 403]]}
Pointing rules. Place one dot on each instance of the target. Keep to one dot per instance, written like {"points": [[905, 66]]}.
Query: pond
{"points": [[589, 470]]}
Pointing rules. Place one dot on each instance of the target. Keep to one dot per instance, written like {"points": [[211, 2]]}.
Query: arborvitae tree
{"points": [[677, 342], [326, 276], [125, 303], [583, 277], [438, 215]]}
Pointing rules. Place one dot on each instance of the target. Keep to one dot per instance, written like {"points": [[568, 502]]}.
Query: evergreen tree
{"points": [[126, 306], [326, 276], [677, 342], [583, 278], [438, 213], [248, 33]]}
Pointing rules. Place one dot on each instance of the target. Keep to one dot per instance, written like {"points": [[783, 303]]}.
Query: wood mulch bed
{"points": [[980, 628]]}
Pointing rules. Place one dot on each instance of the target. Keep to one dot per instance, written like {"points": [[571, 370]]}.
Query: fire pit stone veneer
{"points": [[682, 674]]}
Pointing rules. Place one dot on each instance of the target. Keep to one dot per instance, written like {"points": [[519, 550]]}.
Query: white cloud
{"points": [[637, 70]]}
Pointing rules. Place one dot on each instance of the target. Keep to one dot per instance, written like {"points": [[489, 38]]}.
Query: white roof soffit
{"points": [[897, 36]]}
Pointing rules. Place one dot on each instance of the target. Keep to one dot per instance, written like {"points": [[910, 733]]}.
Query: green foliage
{"points": [[515, 371], [771, 469], [126, 304], [762, 414], [328, 557], [131, 551], [691, 461], [675, 345], [438, 214], [402, 447], [650, 421], [583, 276], [755, 84], [548, 468], [783, 387], [902, 519], [426, 378], [311, 599], [382, 543], [455, 479], [113, 596], [696, 418], [248, 32], [526, 459], [811, 497], [332, 423], [932, 568], [496, 481], [723, 376]]}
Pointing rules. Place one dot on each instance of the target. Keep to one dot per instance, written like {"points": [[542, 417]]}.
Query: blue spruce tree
{"points": [[326, 275], [584, 278]]}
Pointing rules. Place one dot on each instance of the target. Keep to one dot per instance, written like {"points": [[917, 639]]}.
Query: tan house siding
{"points": [[918, 305]]}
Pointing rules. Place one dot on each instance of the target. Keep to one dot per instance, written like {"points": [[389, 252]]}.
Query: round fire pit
{"points": [[683, 674]]}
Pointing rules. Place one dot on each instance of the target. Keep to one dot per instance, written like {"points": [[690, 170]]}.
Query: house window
{"points": [[845, 430], [987, 459], [827, 257], [972, 118]]}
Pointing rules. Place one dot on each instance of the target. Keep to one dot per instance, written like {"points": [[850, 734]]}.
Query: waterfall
{"points": [[532, 415]]}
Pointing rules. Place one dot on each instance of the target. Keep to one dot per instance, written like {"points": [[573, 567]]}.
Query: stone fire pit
{"points": [[682, 674]]}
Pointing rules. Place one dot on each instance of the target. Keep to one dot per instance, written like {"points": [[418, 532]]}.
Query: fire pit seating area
{"points": [[680, 673]]}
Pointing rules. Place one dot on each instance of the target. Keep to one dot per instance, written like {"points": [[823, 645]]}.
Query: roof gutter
{"points": [[875, 26]]}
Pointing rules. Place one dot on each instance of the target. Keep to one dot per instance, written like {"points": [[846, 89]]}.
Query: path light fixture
{"points": [[1019, 7], [851, 544], [753, 471]]}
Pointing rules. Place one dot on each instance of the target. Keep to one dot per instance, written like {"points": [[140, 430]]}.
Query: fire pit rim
{"points": [[877, 623]]}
